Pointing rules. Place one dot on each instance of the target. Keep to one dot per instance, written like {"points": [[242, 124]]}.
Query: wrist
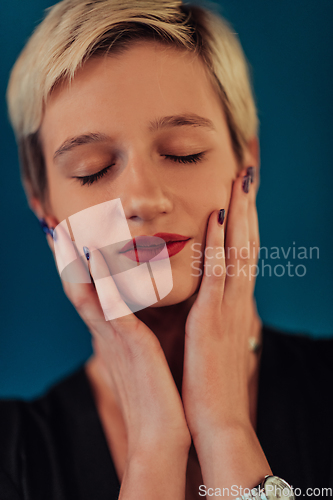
{"points": [[148, 446], [227, 432], [155, 470], [232, 457]]}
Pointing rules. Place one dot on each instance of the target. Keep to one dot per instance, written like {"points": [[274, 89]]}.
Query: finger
{"points": [[76, 281], [212, 284], [71, 267], [115, 309], [253, 233], [237, 241]]}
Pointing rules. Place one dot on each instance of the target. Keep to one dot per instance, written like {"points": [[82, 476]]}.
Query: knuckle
{"points": [[80, 300], [126, 326], [112, 304], [232, 298], [240, 212], [137, 341], [252, 200], [216, 272], [243, 258]]}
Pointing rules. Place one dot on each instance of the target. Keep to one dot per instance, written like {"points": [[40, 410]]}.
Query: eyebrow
{"points": [[73, 142], [190, 119]]}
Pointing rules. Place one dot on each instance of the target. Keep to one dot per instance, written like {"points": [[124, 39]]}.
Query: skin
{"points": [[151, 370]]}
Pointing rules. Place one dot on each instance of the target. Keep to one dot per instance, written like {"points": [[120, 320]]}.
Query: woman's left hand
{"points": [[217, 357]]}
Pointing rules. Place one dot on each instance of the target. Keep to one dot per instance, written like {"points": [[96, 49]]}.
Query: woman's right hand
{"points": [[141, 381]]}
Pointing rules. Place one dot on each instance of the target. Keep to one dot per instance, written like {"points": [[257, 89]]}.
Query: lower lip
{"points": [[145, 254]]}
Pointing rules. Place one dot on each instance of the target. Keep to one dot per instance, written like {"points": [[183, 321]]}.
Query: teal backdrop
{"points": [[290, 48]]}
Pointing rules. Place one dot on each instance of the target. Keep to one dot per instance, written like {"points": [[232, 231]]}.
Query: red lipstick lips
{"points": [[144, 248]]}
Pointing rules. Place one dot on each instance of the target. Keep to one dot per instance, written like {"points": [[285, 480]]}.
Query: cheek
{"points": [[209, 189], [216, 197], [60, 200], [67, 196]]}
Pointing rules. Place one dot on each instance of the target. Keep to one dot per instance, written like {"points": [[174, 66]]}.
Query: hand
{"points": [[217, 357], [158, 439], [133, 359]]}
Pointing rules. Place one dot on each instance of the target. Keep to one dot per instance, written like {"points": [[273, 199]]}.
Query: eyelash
{"points": [[186, 159], [90, 179]]}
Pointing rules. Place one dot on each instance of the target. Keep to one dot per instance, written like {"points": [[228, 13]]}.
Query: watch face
{"points": [[277, 489]]}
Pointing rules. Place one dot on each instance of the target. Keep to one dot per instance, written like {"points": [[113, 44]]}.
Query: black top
{"points": [[54, 448]]}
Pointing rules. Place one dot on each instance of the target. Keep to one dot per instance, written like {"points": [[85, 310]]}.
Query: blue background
{"points": [[289, 45]]}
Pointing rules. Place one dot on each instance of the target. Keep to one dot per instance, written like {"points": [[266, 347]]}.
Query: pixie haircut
{"points": [[75, 30]]}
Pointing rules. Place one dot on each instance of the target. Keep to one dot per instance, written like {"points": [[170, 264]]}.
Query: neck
{"points": [[168, 324]]}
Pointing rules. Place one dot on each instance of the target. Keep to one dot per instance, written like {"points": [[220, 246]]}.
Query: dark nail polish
{"points": [[246, 183], [43, 225], [221, 216], [251, 172], [46, 228], [86, 252]]}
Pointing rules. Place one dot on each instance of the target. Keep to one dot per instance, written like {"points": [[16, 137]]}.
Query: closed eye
{"points": [[186, 159], [90, 179]]}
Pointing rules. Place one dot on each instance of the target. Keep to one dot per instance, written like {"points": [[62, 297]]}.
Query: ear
{"points": [[36, 206]]}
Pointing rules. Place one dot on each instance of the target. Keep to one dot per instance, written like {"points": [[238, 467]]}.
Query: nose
{"points": [[144, 196]]}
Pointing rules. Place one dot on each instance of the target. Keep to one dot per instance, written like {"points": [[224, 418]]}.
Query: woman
{"points": [[150, 103]]}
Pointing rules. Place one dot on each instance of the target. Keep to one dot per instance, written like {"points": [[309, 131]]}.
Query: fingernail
{"points": [[246, 183], [221, 216], [46, 228], [86, 252], [251, 172], [43, 225]]}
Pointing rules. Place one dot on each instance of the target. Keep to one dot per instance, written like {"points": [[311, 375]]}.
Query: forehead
{"points": [[126, 91]]}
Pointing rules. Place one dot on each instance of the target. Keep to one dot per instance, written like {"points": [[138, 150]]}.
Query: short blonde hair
{"points": [[75, 30]]}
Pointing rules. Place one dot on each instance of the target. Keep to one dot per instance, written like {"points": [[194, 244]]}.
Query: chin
{"points": [[183, 289]]}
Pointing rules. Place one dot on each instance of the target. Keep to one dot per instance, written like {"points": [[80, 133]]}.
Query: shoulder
{"points": [[294, 410], [297, 352], [297, 367], [54, 446], [52, 409], [34, 434]]}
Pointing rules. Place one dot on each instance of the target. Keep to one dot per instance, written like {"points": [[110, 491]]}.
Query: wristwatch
{"points": [[271, 488]]}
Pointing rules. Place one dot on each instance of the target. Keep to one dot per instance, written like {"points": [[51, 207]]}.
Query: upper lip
{"points": [[149, 241]]}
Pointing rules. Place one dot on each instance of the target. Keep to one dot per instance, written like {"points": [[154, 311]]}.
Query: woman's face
{"points": [[145, 107]]}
